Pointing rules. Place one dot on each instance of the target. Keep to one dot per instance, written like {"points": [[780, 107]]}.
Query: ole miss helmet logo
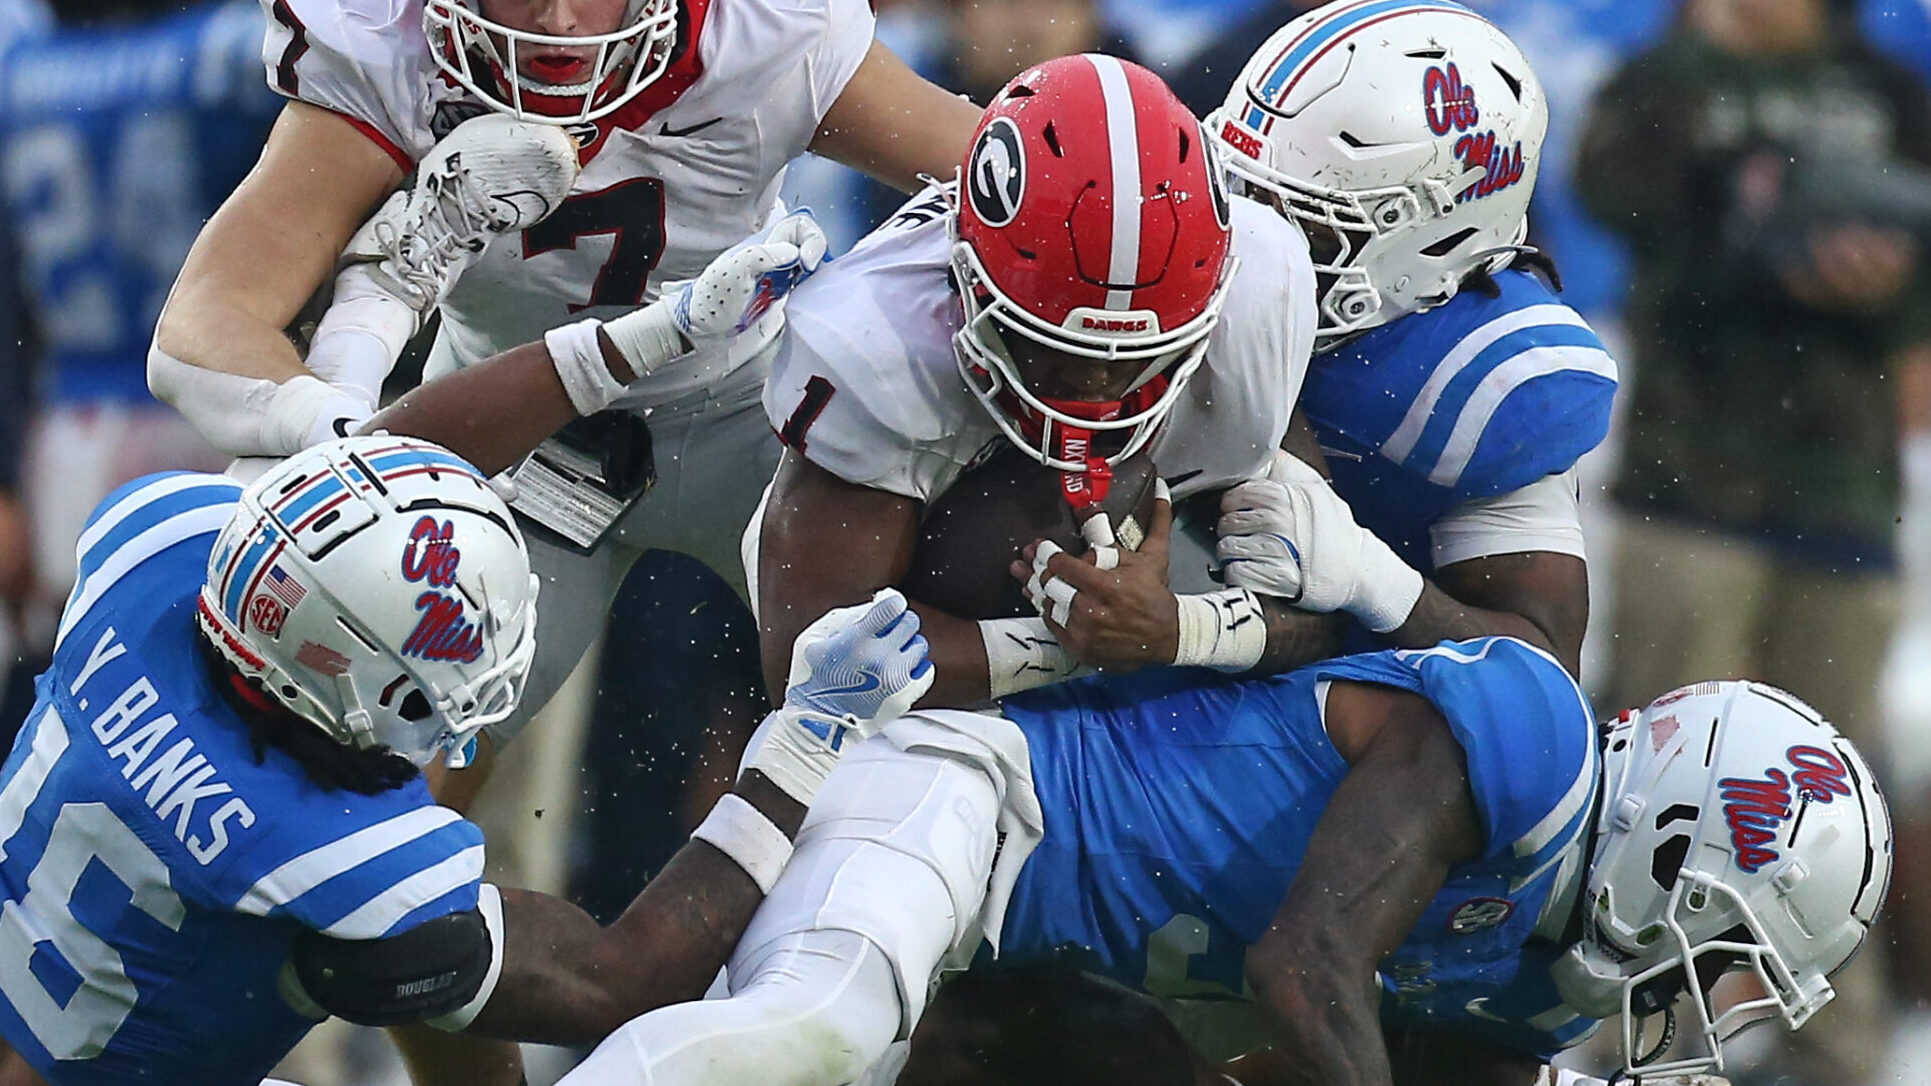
{"points": [[996, 179]]}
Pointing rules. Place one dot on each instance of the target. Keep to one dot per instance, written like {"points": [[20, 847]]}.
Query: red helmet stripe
{"points": [[1123, 143]]}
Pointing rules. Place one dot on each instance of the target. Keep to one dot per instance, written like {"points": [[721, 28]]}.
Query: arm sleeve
{"points": [[1543, 516]]}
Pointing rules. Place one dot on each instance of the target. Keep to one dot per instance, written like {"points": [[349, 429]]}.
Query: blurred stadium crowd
{"points": [[1737, 194]]}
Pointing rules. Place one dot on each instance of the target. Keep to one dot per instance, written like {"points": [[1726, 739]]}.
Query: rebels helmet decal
{"points": [[996, 176]]}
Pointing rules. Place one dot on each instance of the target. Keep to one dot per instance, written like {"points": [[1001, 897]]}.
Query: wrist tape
{"points": [[578, 358], [1021, 653], [741, 831], [1223, 630], [647, 337]]}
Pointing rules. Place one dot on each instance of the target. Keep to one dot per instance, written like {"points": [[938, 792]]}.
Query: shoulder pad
{"points": [[365, 59], [1480, 396]]}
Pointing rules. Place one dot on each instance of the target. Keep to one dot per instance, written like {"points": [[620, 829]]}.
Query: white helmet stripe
{"points": [[1123, 139]]}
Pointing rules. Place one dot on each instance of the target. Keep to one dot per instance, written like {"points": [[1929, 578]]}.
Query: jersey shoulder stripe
{"points": [[1480, 396], [384, 913], [1532, 785], [163, 517], [300, 874]]}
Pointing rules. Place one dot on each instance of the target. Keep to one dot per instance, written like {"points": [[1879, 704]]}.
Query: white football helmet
{"points": [[1404, 138], [379, 589], [487, 59], [1736, 827]]}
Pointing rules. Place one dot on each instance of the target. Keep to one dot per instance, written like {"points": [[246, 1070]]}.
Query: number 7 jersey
{"points": [[670, 180]]}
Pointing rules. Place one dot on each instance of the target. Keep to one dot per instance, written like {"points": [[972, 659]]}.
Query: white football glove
{"points": [[1289, 535], [852, 672], [741, 294]]}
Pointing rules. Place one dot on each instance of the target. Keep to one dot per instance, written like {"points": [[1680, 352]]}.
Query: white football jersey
{"points": [[676, 176], [865, 384]]}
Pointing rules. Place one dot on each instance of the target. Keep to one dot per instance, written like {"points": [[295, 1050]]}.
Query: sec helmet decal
{"points": [[996, 176]]}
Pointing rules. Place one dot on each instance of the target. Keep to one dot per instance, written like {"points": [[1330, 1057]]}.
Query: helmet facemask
{"points": [[1073, 435], [486, 58]]}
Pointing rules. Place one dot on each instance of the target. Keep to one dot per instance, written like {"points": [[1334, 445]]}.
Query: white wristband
{"points": [[578, 358], [741, 831], [647, 337], [303, 412], [1223, 630], [1021, 654], [1385, 590]]}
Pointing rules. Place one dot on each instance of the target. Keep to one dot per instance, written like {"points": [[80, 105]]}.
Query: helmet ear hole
{"points": [[1666, 863], [1448, 244], [415, 708]]}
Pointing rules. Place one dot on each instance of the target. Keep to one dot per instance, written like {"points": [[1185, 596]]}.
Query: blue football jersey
{"points": [[116, 144], [154, 868], [1478, 397], [1179, 803]]}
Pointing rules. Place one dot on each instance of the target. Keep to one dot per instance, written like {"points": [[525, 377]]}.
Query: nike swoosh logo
{"points": [[1176, 480], [680, 133], [867, 682]]}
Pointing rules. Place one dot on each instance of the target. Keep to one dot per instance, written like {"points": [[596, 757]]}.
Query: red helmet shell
{"points": [[1092, 202]]}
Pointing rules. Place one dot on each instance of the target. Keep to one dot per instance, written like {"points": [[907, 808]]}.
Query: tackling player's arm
{"points": [[895, 125], [1382, 849], [825, 542], [219, 345], [530, 967], [526, 966], [1289, 536], [1536, 596]]}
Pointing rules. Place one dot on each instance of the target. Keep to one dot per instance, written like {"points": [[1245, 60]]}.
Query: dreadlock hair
{"points": [[366, 771], [1483, 282]]}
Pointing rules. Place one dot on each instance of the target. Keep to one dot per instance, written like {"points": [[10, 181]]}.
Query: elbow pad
{"points": [[252, 416], [442, 971]]}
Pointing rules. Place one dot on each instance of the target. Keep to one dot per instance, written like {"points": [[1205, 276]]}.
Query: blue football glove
{"points": [[852, 672]]}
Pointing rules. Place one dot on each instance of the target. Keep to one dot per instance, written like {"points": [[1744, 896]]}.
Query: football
{"points": [[971, 535]]}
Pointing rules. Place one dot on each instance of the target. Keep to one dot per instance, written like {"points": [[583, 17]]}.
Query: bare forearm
{"points": [[492, 414], [1440, 617], [567, 981], [1297, 638], [1541, 597], [1327, 1030]]}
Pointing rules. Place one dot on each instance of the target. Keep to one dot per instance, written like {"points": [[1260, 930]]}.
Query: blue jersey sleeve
{"points": [[1528, 734], [1479, 397], [409, 861]]}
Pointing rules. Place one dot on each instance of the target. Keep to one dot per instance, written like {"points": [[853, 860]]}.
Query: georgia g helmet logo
{"points": [[996, 179]]}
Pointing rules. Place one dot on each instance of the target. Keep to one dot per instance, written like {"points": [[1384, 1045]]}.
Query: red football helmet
{"points": [[1091, 222]]}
